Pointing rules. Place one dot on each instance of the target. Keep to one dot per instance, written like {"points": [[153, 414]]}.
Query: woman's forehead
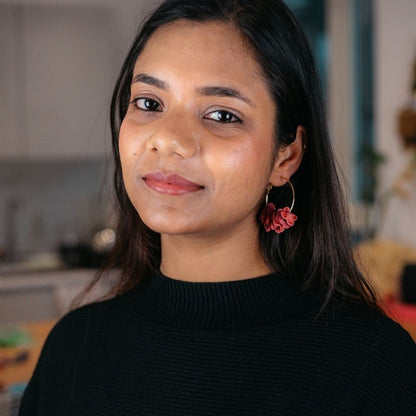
{"points": [[202, 53]]}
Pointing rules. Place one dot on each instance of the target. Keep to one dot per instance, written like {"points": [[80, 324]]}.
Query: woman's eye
{"points": [[146, 104], [223, 116]]}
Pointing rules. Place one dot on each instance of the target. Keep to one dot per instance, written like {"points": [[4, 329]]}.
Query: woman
{"points": [[238, 294]]}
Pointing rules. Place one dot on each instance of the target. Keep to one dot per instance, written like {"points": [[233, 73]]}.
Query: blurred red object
{"points": [[402, 313], [3, 387]]}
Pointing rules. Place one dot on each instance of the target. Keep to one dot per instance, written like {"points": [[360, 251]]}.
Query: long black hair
{"points": [[317, 251]]}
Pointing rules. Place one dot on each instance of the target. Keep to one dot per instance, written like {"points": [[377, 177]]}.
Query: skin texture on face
{"points": [[201, 111]]}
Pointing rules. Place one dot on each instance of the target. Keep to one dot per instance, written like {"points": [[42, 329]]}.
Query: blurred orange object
{"points": [[382, 262]]}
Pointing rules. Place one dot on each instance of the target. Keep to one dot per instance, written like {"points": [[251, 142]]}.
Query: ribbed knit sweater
{"points": [[248, 347]]}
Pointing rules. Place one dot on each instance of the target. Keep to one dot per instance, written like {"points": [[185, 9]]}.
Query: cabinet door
{"points": [[11, 100], [69, 74]]}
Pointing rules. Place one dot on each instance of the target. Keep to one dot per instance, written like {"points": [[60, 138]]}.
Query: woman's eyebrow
{"points": [[148, 79], [224, 92], [207, 91]]}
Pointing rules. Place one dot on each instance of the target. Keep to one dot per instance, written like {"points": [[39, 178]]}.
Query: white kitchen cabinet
{"points": [[60, 69]]}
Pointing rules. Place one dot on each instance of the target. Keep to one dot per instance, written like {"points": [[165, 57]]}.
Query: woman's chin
{"points": [[170, 226]]}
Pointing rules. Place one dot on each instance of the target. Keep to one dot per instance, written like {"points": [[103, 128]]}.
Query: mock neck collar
{"points": [[220, 305]]}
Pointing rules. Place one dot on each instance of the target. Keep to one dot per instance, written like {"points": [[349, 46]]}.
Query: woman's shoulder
{"points": [[370, 350], [389, 365], [362, 321], [85, 320], [370, 334], [114, 305]]}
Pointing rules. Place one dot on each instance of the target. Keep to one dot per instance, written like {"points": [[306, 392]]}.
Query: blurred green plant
{"points": [[371, 161]]}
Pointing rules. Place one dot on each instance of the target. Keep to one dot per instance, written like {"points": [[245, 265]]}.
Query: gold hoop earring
{"points": [[269, 187], [278, 220]]}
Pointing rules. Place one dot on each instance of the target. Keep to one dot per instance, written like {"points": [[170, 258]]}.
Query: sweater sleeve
{"points": [[390, 376], [29, 403], [51, 385]]}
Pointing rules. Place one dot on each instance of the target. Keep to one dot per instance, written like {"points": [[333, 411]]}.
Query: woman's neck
{"points": [[216, 259]]}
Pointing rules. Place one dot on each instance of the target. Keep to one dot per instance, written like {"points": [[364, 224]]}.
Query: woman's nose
{"points": [[174, 136]]}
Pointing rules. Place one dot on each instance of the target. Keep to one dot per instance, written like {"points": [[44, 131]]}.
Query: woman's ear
{"points": [[289, 159]]}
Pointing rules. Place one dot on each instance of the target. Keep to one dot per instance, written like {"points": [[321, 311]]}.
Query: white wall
{"points": [[340, 67], [127, 13], [395, 50]]}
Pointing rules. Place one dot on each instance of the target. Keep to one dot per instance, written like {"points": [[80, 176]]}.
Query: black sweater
{"points": [[250, 347]]}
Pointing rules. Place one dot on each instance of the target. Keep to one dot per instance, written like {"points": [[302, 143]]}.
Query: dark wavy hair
{"points": [[317, 251]]}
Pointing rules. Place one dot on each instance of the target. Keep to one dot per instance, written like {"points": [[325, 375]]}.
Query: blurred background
{"points": [[59, 60]]}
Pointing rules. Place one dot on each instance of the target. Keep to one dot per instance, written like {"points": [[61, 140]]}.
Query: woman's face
{"points": [[196, 143]]}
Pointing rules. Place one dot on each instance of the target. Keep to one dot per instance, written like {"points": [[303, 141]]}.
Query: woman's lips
{"points": [[171, 184]]}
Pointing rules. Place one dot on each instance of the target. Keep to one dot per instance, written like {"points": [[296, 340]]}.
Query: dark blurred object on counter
{"points": [[81, 255], [407, 126], [408, 284], [88, 255], [407, 116]]}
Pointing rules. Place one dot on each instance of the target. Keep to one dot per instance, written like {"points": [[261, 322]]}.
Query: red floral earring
{"points": [[280, 219]]}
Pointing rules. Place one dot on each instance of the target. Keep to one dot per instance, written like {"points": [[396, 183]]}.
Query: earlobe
{"points": [[289, 159]]}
